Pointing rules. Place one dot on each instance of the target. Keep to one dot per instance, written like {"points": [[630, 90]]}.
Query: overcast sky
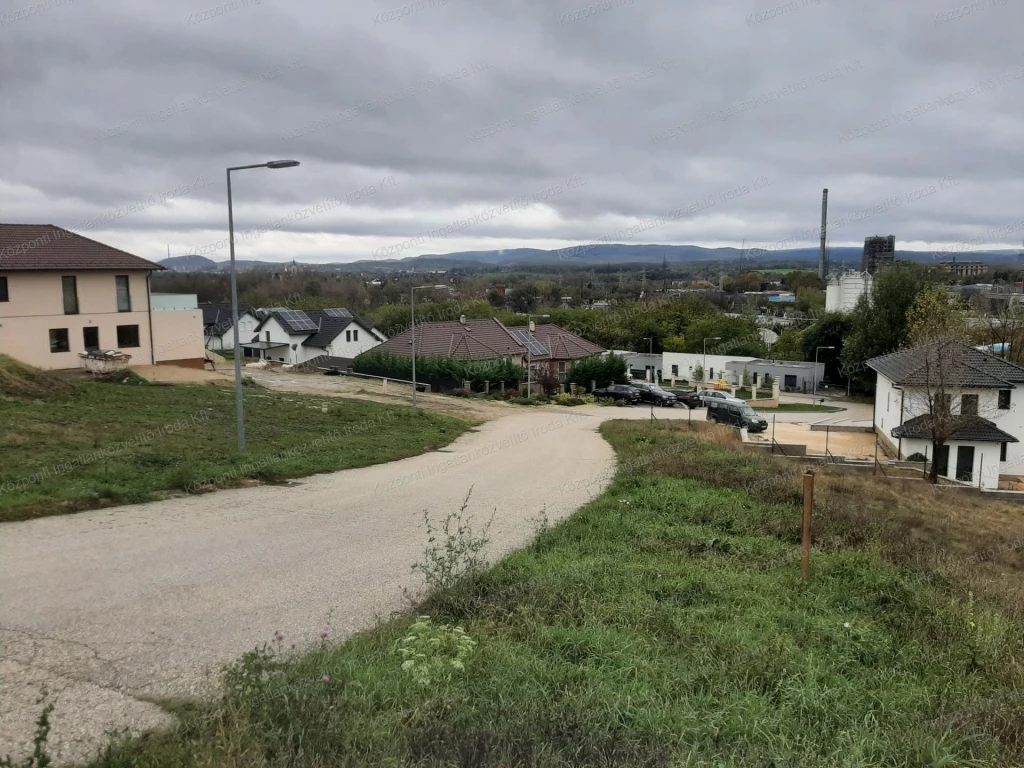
{"points": [[456, 125]]}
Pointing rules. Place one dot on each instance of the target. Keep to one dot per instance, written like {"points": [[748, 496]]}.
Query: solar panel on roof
{"points": [[297, 319], [527, 339], [337, 313]]}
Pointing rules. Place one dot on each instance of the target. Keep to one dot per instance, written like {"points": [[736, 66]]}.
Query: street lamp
{"points": [[709, 338], [234, 294], [529, 356], [412, 326], [814, 374]]}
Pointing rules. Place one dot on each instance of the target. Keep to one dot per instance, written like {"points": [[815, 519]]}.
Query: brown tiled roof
{"points": [[487, 340], [565, 345], [45, 246], [474, 340]]}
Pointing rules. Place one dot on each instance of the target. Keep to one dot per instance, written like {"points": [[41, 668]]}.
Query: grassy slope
{"points": [[664, 624], [91, 423]]}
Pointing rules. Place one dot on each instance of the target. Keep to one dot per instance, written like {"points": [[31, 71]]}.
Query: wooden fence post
{"points": [[808, 506]]}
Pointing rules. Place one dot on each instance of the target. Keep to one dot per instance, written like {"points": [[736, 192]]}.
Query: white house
{"points": [[986, 410], [218, 327], [296, 336]]}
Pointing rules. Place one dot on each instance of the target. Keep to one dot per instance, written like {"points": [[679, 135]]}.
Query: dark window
{"points": [[348, 335], [355, 335], [124, 295], [91, 338], [711, 373], [969, 405], [675, 370], [1002, 451], [70, 286], [59, 340], [561, 367], [3, 289], [127, 336], [1004, 400]]}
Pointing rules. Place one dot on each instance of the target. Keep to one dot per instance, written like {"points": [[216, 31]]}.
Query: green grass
{"points": [[98, 444], [665, 624]]}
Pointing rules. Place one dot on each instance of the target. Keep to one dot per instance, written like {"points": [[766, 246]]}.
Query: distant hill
{"points": [[192, 263], [588, 256]]}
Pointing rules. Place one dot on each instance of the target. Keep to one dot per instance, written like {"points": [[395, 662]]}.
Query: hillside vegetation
{"points": [[69, 446]]}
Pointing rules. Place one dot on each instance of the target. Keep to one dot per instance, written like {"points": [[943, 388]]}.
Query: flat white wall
{"points": [[272, 331], [687, 362], [986, 460]]}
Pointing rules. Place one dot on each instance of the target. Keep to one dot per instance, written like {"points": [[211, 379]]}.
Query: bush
{"points": [[610, 369], [917, 457]]}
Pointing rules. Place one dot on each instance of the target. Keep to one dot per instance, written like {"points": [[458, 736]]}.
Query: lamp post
{"points": [[234, 294], [412, 327], [529, 356], [709, 338], [814, 374], [650, 351]]}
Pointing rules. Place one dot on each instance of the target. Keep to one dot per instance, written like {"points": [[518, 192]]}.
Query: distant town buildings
{"points": [[964, 268], [879, 250]]}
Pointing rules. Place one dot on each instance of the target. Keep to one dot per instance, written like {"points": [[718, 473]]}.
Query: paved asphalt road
{"points": [[112, 607]]}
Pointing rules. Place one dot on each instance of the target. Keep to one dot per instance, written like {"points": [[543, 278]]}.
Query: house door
{"points": [[965, 463], [942, 460]]}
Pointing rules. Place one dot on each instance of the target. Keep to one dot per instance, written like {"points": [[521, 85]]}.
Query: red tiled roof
{"points": [[476, 340], [45, 246]]}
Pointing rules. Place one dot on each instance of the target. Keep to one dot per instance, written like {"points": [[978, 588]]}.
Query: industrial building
{"points": [[879, 251]]}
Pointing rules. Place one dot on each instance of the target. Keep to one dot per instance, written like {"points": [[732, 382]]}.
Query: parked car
{"points": [[714, 394], [688, 397], [653, 393], [737, 413], [619, 392]]}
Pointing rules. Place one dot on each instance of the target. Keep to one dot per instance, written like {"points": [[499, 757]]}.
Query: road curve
{"points": [[111, 607]]}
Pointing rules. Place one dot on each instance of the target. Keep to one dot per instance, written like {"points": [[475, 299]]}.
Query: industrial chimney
{"points": [[823, 261]]}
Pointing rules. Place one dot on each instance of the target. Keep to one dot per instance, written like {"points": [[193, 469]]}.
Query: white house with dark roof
{"points": [[297, 336], [986, 410]]}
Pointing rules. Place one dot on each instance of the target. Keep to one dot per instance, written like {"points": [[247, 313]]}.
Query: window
{"points": [[969, 405], [124, 295], [1004, 399], [70, 286], [355, 335], [59, 340], [675, 370], [348, 335], [561, 367], [3, 289], [1002, 451], [127, 336], [91, 338]]}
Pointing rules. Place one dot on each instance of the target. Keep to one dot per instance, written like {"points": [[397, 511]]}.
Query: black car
{"points": [[688, 397], [652, 393], [621, 392], [736, 413]]}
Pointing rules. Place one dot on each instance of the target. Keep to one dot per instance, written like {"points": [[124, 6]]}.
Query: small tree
{"points": [[698, 373], [937, 327]]}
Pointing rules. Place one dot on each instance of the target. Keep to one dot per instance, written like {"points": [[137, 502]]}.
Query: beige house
{"points": [[62, 294]]}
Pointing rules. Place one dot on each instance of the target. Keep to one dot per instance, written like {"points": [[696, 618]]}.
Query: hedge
{"points": [[610, 369]]}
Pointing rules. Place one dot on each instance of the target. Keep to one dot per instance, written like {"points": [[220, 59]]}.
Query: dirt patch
{"points": [[476, 409], [173, 374], [859, 445]]}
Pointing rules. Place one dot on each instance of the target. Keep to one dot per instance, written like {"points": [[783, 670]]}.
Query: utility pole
{"points": [[823, 260]]}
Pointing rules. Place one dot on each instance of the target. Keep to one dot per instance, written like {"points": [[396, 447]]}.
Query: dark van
{"points": [[737, 414]]}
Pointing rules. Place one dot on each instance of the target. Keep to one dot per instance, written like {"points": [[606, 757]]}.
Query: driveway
{"points": [[113, 607]]}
